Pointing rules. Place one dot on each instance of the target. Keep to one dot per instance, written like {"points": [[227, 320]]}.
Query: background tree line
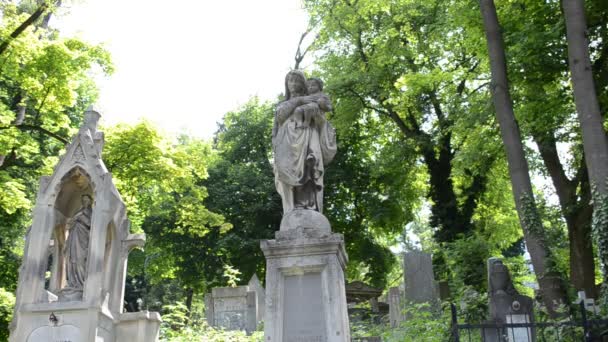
{"points": [[420, 150]]}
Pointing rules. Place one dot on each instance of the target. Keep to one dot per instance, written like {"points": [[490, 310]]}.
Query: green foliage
{"points": [[241, 187], [7, 301], [179, 326], [160, 180], [600, 233], [232, 275], [422, 324]]}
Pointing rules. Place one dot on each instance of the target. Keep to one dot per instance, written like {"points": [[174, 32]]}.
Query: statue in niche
{"points": [[76, 249], [303, 143]]}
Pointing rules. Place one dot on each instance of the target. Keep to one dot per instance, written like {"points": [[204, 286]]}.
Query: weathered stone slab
{"points": [[420, 285], [304, 314], [260, 293], [395, 307], [232, 308]]}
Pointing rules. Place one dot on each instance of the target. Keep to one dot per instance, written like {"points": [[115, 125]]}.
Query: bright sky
{"points": [[184, 63]]}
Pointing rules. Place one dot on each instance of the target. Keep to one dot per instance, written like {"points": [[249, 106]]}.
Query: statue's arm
{"points": [[325, 104], [285, 109]]}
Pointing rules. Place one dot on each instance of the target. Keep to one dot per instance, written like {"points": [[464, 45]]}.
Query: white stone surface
{"points": [[301, 218], [62, 333], [519, 334], [307, 265]]}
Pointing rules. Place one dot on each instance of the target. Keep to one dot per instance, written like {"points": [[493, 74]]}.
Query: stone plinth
{"points": [[305, 296], [138, 326]]}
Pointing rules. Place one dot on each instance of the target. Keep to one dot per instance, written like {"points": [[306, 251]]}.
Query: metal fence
{"points": [[571, 330]]}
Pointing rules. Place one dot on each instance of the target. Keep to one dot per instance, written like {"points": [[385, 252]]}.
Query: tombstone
{"points": [[395, 307], [444, 291], [507, 305], [80, 236], [305, 295], [358, 291], [233, 308], [256, 286], [420, 284], [588, 303]]}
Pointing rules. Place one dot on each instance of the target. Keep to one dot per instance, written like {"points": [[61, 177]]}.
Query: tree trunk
{"points": [[595, 143], [576, 211], [550, 286], [189, 296]]}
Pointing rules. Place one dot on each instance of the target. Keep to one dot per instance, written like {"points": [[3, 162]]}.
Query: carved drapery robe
{"points": [[301, 151], [77, 249]]}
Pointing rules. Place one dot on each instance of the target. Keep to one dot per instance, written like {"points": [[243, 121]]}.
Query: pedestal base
{"points": [[79, 322], [305, 295]]}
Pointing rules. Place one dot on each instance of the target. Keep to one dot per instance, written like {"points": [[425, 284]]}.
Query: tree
{"points": [[160, 180], [595, 142], [518, 166], [413, 66]]}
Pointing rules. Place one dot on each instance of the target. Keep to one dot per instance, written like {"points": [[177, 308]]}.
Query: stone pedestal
{"points": [[305, 296]]}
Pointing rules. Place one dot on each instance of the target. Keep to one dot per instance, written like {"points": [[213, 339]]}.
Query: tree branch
{"points": [[38, 129], [29, 21]]}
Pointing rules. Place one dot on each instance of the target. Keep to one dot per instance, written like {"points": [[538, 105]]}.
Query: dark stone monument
{"points": [[507, 305]]}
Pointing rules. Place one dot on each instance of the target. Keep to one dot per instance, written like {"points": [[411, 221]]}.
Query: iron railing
{"points": [[571, 330]]}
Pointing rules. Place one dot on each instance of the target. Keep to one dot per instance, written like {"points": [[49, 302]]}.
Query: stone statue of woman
{"points": [[76, 249], [303, 143]]}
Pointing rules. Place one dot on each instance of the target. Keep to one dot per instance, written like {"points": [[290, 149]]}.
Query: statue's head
{"points": [[86, 200], [295, 84], [314, 85]]}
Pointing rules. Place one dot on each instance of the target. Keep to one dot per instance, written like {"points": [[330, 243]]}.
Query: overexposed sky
{"points": [[184, 63]]}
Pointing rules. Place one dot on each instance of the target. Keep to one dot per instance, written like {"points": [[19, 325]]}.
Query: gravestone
{"points": [[420, 284], [395, 307], [588, 303], [507, 305], [260, 295], [80, 236], [232, 308], [305, 295], [304, 313], [444, 291]]}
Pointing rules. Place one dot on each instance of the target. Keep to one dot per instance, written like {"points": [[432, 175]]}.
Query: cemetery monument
{"points": [[305, 295], [507, 305], [72, 279]]}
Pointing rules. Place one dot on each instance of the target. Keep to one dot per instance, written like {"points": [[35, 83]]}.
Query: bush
{"points": [[7, 302]]}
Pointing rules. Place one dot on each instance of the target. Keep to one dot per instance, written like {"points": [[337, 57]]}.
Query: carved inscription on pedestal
{"points": [[230, 312], [62, 333], [304, 315]]}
